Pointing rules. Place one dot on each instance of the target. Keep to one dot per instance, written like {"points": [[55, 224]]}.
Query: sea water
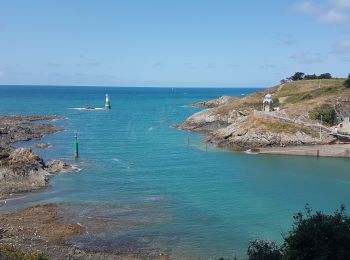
{"points": [[145, 184]]}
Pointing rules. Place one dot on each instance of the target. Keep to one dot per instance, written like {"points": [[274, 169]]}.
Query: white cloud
{"points": [[307, 7], [344, 44], [332, 16], [341, 4], [341, 47], [333, 11]]}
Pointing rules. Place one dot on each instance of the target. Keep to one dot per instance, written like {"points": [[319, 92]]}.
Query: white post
{"points": [[321, 127]]}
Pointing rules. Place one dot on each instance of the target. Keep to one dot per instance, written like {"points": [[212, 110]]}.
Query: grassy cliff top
{"points": [[295, 97]]}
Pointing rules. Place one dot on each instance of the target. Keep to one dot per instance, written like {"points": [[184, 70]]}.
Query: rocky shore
{"points": [[41, 232], [240, 124], [21, 170], [42, 229]]}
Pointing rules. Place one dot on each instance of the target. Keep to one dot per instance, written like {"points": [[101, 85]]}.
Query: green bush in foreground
{"points": [[314, 235], [319, 236], [260, 250]]}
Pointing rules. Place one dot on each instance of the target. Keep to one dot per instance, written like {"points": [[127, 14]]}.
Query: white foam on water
{"points": [[152, 128], [87, 109], [250, 152], [346, 182]]}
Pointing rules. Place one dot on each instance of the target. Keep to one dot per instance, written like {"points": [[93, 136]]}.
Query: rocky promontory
{"points": [[20, 168], [215, 102], [302, 113]]}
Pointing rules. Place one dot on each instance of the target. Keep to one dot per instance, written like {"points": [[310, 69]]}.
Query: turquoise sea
{"points": [[142, 185]]}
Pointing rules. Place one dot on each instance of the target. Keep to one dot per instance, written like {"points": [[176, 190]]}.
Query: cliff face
{"points": [[21, 169], [239, 124]]}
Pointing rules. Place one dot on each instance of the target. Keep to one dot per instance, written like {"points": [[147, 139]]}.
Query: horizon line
{"points": [[110, 86]]}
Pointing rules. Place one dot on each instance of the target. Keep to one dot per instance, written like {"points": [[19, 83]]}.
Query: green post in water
{"points": [[76, 146], [108, 103]]}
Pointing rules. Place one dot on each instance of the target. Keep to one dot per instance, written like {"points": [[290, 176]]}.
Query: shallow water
{"points": [[143, 185]]}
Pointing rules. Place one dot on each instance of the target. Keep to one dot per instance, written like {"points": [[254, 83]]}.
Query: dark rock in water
{"points": [[17, 128], [58, 166]]}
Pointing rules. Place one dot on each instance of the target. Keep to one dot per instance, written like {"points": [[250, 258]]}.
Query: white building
{"points": [[344, 127], [267, 103]]}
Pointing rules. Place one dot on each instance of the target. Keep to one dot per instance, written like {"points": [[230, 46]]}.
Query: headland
{"points": [[313, 114]]}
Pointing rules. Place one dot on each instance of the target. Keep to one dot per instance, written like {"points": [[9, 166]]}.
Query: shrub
{"points": [[325, 76], [313, 236], [310, 77], [13, 253], [347, 82], [326, 113], [297, 76], [264, 250], [319, 236]]}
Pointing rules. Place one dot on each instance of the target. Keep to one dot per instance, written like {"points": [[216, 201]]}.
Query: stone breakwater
{"points": [[21, 170]]}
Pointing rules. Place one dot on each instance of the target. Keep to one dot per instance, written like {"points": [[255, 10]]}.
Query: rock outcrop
{"points": [[58, 166], [20, 128], [21, 169], [239, 125], [215, 102]]}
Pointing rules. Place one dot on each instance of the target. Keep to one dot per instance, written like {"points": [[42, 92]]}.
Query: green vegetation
{"points": [[325, 113], [276, 101], [9, 252], [279, 127], [325, 76], [260, 250], [295, 97], [326, 91], [319, 236], [347, 82], [297, 76], [301, 76], [314, 235]]}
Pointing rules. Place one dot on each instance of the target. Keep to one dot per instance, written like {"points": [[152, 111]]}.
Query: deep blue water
{"points": [[141, 184]]}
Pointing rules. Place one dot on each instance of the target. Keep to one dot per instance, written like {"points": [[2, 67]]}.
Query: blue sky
{"points": [[185, 43]]}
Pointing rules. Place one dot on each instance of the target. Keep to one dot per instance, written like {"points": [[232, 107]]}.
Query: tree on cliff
{"points": [[309, 77], [325, 76], [297, 76]]}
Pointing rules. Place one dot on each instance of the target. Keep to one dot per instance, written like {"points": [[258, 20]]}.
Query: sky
{"points": [[171, 43]]}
